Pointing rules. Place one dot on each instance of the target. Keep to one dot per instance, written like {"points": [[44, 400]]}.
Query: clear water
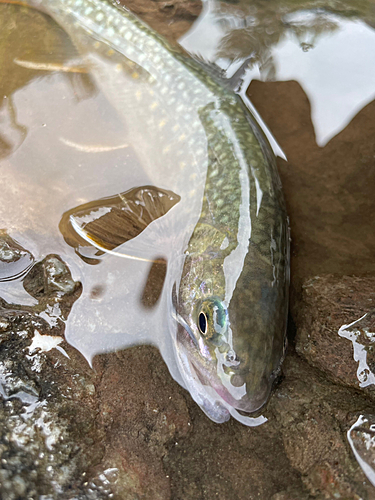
{"points": [[330, 55]]}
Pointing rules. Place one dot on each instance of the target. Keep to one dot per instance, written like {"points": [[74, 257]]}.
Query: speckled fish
{"points": [[228, 260]]}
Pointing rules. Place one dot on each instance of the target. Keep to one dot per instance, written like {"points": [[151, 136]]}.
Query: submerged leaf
{"points": [[109, 222]]}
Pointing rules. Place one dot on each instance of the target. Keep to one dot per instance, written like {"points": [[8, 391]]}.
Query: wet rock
{"points": [[361, 437], [300, 453], [47, 410], [50, 280], [67, 430], [51, 284], [327, 321], [328, 190], [313, 416], [144, 413]]}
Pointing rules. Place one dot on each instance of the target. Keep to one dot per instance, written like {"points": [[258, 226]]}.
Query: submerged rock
{"points": [[66, 430], [313, 416], [47, 410]]}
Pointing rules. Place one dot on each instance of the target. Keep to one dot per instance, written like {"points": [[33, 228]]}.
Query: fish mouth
{"points": [[211, 388]]}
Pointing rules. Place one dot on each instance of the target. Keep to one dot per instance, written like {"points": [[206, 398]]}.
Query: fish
{"points": [[226, 288]]}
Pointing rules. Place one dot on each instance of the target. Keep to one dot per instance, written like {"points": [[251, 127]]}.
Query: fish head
{"points": [[229, 354]]}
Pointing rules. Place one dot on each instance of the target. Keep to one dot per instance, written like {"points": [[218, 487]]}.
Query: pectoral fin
{"points": [[110, 222]]}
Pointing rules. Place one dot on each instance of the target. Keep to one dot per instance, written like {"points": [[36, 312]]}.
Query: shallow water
{"points": [[52, 163], [166, 147], [324, 126], [330, 55]]}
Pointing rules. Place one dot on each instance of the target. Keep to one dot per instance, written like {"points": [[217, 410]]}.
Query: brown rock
{"points": [[328, 190], [170, 18], [361, 437], [327, 304], [143, 412], [312, 417]]}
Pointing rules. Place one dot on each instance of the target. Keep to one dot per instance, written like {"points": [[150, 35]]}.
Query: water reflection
{"points": [[49, 48], [361, 437], [363, 344], [330, 52], [180, 127], [15, 261], [61, 164]]}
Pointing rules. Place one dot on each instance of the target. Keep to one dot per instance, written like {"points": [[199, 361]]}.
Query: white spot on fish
{"points": [[110, 31]]}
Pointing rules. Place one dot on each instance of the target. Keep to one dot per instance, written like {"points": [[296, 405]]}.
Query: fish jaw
{"points": [[204, 394], [211, 387]]}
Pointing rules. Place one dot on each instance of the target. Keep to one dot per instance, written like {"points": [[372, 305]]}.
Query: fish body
{"points": [[233, 293], [228, 267]]}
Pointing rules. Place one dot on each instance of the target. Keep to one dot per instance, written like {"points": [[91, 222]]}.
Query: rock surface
{"points": [[331, 305]]}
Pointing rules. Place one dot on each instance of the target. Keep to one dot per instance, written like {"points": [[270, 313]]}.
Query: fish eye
{"points": [[212, 320], [202, 323]]}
